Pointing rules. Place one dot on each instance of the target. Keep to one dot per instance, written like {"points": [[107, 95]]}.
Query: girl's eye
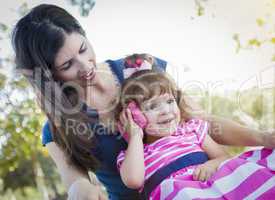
{"points": [[170, 101], [153, 106]]}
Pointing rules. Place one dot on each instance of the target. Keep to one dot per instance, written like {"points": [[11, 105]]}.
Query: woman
{"points": [[54, 54]]}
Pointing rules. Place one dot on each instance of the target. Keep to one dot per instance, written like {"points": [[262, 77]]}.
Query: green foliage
{"points": [[3, 27], [237, 40], [254, 108], [23, 9], [254, 42], [85, 6], [3, 79], [200, 8], [260, 22], [23, 159], [269, 38]]}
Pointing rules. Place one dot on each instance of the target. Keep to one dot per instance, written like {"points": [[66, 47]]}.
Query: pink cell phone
{"points": [[138, 118], [137, 115]]}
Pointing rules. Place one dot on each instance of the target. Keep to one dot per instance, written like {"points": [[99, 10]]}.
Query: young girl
{"points": [[167, 134]]}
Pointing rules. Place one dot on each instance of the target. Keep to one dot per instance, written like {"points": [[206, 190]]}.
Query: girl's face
{"points": [[75, 61], [163, 115]]}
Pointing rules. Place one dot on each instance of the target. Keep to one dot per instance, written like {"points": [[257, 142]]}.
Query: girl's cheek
{"points": [[151, 130]]}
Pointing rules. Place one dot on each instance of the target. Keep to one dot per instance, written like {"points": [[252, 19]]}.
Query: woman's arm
{"points": [[228, 132], [132, 169], [77, 183]]}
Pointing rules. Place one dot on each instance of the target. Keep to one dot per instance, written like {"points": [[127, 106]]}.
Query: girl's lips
{"points": [[166, 121]]}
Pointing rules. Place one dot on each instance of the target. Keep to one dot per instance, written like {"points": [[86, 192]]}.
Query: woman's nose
{"points": [[85, 66]]}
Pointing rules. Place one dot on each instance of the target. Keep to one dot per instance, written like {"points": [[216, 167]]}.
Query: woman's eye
{"points": [[83, 49], [67, 66]]}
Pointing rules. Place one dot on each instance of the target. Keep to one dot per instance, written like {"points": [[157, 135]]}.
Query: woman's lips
{"points": [[88, 76]]}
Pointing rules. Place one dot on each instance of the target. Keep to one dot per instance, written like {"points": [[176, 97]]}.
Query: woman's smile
{"points": [[88, 76]]}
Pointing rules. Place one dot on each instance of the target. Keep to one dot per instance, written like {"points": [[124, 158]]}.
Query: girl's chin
{"points": [[162, 132]]}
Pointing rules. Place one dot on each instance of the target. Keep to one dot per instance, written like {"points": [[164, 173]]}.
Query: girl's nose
{"points": [[164, 109]]}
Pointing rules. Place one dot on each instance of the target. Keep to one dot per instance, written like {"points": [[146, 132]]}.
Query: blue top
{"points": [[108, 145]]}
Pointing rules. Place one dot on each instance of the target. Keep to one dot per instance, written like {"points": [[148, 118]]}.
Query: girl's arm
{"points": [[76, 182], [216, 155], [132, 170], [213, 150]]}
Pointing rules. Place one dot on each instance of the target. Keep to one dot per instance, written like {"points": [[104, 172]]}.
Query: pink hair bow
{"points": [[137, 66]]}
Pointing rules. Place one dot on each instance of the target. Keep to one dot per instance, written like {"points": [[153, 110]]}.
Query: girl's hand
{"points": [[82, 189], [129, 125], [205, 171]]}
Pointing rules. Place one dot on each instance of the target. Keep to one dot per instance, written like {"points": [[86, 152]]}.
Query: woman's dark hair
{"points": [[39, 35], [36, 39]]}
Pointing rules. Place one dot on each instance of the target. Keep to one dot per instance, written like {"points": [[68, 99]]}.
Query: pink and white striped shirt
{"points": [[187, 139]]}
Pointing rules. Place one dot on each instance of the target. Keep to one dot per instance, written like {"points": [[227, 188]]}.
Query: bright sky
{"points": [[172, 30]]}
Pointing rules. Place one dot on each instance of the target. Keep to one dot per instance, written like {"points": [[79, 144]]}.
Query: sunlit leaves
{"points": [[266, 30], [3, 79], [260, 22], [237, 40], [20, 83], [23, 9], [85, 6], [200, 8], [3, 27], [254, 42]]}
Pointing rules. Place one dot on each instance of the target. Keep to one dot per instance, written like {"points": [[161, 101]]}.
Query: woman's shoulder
{"points": [[46, 133]]}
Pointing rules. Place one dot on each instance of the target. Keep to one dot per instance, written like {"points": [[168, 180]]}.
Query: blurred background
{"points": [[222, 53]]}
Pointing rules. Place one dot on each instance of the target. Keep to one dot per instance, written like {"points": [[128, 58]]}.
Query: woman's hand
{"points": [[268, 139], [82, 189]]}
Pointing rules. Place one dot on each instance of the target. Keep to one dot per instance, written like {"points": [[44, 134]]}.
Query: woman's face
{"points": [[75, 61]]}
